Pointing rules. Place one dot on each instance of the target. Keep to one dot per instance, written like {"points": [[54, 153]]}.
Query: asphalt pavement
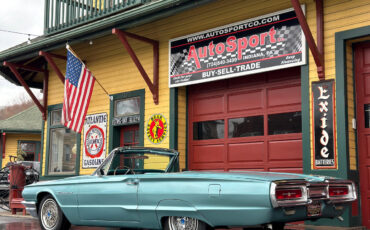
{"points": [[20, 222]]}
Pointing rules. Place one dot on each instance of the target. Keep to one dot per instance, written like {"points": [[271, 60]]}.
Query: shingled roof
{"points": [[28, 120]]}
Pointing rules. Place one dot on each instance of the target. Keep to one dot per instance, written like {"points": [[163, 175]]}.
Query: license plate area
{"points": [[314, 209]]}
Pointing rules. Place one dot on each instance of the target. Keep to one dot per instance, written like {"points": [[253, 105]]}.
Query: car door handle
{"points": [[132, 182]]}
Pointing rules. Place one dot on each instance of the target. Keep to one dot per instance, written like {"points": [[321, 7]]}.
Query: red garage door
{"points": [[247, 123]]}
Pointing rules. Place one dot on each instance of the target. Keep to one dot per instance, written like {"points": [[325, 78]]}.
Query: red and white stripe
{"points": [[77, 101]]}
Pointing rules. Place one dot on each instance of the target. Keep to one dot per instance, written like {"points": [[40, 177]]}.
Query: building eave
{"points": [[126, 20]]}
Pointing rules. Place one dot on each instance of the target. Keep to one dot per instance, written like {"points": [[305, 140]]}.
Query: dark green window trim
{"points": [[174, 118], [78, 147], [1, 149], [354, 174], [306, 117], [113, 130], [42, 146]]}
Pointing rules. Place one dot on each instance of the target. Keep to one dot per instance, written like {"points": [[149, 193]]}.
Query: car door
{"points": [[109, 198]]}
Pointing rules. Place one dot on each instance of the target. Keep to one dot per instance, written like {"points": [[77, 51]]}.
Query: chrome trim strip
{"points": [[30, 207]]}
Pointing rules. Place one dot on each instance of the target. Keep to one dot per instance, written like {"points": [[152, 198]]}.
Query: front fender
{"points": [[65, 198], [175, 207]]}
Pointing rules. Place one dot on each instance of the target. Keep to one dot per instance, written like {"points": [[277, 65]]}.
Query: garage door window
{"points": [[367, 116], [284, 123], [246, 126], [208, 130]]}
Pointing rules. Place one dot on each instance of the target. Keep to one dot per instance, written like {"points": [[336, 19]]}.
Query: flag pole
{"points": [[102, 87], [68, 47]]}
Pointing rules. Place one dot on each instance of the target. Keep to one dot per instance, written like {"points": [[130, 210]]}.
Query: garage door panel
{"points": [[367, 84], [247, 169], [246, 152], [245, 101], [290, 74], [286, 170], [285, 150], [210, 105], [285, 95], [208, 153], [207, 166], [367, 145]]}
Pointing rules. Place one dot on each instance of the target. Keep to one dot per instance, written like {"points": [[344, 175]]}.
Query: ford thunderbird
{"points": [[142, 188]]}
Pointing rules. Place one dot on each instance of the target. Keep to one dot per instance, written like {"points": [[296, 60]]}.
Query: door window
{"points": [[129, 135]]}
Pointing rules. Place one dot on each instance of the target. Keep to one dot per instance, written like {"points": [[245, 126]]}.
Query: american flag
{"points": [[78, 87]]}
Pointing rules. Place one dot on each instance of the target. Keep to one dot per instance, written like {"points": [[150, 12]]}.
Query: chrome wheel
{"points": [[182, 223], [49, 214]]}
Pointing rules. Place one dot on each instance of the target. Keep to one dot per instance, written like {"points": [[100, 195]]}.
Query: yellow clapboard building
{"points": [[280, 86]]}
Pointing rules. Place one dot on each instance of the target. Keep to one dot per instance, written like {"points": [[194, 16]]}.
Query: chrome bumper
{"points": [[30, 207]]}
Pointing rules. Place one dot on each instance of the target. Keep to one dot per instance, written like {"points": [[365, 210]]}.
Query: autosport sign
{"points": [[265, 43], [95, 140]]}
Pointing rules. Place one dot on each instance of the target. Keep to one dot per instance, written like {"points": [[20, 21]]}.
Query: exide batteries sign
{"points": [[269, 42]]}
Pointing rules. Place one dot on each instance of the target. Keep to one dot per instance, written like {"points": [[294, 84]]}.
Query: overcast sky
{"points": [[25, 16]]}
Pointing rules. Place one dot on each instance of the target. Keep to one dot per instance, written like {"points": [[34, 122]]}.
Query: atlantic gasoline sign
{"points": [[265, 43], [325, 156], [95, 140], [157, 128]]}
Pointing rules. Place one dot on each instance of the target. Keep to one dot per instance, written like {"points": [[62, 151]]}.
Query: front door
{"points": [[108, 198], [362, 78]]}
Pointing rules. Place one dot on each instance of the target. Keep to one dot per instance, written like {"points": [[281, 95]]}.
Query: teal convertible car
{"points": [[142, 188]]}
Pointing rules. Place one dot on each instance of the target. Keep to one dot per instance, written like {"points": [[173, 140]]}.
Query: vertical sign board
{"points": [[269, 42], [95, 140], [324, 139]]}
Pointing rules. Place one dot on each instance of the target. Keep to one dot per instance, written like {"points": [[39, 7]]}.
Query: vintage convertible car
{"points": [[142, 188]]}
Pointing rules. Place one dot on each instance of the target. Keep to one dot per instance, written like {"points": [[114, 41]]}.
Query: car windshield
{"points": [[122, 163]]}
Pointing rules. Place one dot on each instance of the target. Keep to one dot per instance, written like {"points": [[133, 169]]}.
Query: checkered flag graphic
{"points": [[288, 41]]}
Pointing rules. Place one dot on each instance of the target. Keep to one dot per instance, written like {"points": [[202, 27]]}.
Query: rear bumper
{"points": [[30, 207]]}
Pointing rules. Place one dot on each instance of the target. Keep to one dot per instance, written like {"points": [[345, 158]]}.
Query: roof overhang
{"points": [[129, 19]]}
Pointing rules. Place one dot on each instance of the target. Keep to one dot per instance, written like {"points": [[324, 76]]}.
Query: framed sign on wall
{"points": [[324, 125]]}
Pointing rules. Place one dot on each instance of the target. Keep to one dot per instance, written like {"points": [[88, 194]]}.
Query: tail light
{"points": [[287, 194], [342, 191], [338, 190]]}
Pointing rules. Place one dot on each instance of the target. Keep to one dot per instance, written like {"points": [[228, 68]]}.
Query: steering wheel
{"points": [[124, 167]]}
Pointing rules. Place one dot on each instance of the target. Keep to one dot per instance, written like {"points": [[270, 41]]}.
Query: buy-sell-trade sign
{"points": [[265, 43], [324, 139]]}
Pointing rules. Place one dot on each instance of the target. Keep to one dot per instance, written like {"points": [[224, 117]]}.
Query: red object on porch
{"points": [[17, 183], [4, 141]]}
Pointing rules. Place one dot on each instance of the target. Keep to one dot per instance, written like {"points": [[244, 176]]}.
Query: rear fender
{"points": [[176, 207]]}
